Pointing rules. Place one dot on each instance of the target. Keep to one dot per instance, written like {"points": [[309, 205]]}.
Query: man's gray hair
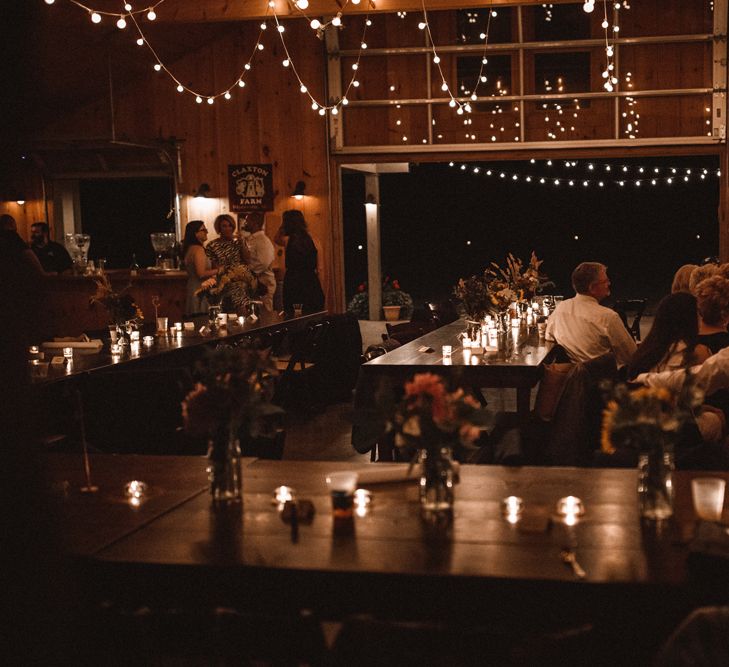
{"points": [[585, 275]]}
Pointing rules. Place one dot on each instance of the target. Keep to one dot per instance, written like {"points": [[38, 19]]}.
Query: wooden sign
{"points": [[250, 187]]}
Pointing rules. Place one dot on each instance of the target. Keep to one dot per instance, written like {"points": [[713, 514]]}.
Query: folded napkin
{"points": [[58, 343], [381, 473]]}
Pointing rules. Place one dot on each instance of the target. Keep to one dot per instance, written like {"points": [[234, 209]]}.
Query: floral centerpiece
{"points": [[392, 295], [648, 421], [428, 424], [523, 280], [119, 304], [238, 278], [473, 293], [231, 401]]}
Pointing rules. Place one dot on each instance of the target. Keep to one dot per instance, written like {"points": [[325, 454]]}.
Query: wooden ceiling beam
{"points": [[196, 11]]}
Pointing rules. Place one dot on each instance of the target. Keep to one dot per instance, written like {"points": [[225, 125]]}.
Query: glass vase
{"points": [[213, 312], [224, 468], [436, 482], [655, 485]]}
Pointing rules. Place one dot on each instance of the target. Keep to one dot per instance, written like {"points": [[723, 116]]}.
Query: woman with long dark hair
{"points": [[672, 342], [301, 282], [197, 265]]}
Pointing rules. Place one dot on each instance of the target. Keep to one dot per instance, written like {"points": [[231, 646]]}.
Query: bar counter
{"points": [[69, 312]]}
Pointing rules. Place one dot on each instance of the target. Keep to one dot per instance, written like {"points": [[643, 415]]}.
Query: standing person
{"points": [[197, 265], [584, 328], [54, 258], [262, 254], [225, 252], [301, 282]]}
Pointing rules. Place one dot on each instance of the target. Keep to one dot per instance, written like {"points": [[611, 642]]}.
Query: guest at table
{"points": [[54, 258], [701, 273], [197, 265], [262, 254], [225, 252], [584, 328], [712, 298], [672, 343], [301, 282], [681, 278]]}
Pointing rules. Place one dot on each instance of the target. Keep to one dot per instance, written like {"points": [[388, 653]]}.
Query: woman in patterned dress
{"points": [[226, 252]]}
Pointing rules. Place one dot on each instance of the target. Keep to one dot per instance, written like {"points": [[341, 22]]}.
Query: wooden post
{"points": [[372, 216]]}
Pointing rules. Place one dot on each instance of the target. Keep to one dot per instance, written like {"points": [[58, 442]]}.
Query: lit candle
{"points": [[283, 494], [570, 508], [134, 336], [545, 311], [68, 352], [241, 320], [115, 349], [515, 322], [447, 350], [134, 348], [148, 341], [512, 507], [34, 349], [362, 499]]}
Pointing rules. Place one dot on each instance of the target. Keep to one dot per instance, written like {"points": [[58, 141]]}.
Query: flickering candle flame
{"points": [[283, 494], [68, 352], [570, 508], [512, 507]]}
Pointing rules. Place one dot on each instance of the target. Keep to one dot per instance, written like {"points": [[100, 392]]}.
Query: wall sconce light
{"points": [[202, 191], [299, 190], [20, 201]]}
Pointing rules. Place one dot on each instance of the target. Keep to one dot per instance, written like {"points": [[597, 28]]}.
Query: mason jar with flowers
{"points": [[647, 422], [429, 424], [231, 402]]}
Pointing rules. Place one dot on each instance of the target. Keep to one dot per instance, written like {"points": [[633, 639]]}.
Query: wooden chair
{"points": [[634, 309]]}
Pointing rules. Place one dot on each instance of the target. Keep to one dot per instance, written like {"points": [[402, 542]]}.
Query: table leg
{"points": [[523, 401]]}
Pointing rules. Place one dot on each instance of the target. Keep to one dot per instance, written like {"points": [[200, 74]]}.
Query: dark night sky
{"points": [[643, 233]]}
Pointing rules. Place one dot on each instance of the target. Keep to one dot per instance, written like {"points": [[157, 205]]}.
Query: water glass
{"points": [[162, 324], [708, 495]]}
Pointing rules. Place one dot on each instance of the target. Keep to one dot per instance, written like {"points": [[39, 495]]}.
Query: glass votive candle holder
{"points": [[134, 348], [115, 349], [447, 351], [283, 494], [134, 335], [570, 508], [512, 507], [178, 328], [68, 353], [148, 341], [162, 324], [515, 322], [135, 488], [362, 500], [34, 350], [708, 497], [241, 320]]}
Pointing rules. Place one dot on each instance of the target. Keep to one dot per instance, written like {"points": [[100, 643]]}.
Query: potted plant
{"points": [[394, 300]]}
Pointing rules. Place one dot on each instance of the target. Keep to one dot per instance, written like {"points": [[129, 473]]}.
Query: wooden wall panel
{"points": [[268, 121]]}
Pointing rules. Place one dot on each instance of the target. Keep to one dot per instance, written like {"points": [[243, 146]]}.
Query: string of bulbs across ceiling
{"points": [[460, 104], [646, 175]]}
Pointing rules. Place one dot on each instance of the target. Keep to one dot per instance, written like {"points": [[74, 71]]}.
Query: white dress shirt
{"points": [[711, 376], [587, 330], [262, 256]]}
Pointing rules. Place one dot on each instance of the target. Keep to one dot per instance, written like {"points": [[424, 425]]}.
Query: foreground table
{"points": [[391, 560]]}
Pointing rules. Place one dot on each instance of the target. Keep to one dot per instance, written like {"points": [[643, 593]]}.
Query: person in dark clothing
{"points": [[54, 258], [712, 298], [301, 282]]}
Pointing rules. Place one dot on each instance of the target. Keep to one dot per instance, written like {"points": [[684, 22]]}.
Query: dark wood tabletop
{"points": [[88, 361], [389, 551], [518, 367]]}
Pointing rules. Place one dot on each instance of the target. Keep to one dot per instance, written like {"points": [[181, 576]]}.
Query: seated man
{"points": [[54, 258], [584, 328]]}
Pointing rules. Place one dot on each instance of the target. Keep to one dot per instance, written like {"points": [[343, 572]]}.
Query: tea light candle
{"points": [[570, 508], [34, 349], [134, 336], [362, 500], [512, 507], [178, 327], [241, 320], [283, 494], [447, 350], [68, 352], [135, 488], [148, 341]]}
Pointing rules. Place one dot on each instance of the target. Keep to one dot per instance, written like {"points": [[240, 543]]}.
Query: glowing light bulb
{"points": [[355, 67], [157, 67], [336, 21], [355, 2], [95, 17], [151, 15], [286, 62], [180, 89], [421, 25], [335, 111], [227, 95], [264, 26], [315, 24], [452, 103], [355, 83], [247, 66], [280, 28], [436, 59], [322, 112], [50, 2], [444, 86], [121, 23], [345, 101], [604, 24], [198, 99], [303, 88], [140, 42], [260, 46], [210, 100], [241, 83], [302, 4], [588, 7], [314, 106]]}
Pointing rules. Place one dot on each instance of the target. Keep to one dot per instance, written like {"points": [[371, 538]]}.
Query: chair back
{"points": [[631, 311]]}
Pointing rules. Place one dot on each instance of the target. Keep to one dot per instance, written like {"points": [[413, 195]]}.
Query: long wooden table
{"points": [[167, 346], [519, 368], [176, 548]]}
